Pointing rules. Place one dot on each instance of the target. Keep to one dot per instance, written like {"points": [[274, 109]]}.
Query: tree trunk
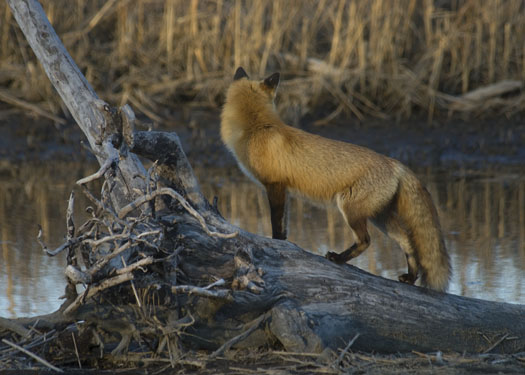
{"points": [[274, 293]]}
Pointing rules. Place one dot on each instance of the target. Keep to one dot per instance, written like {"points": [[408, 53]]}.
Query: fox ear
{"points": [[272, 81], [240, 73]]}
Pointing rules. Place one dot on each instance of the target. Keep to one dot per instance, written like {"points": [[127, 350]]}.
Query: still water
{"points": [[482, 215]]}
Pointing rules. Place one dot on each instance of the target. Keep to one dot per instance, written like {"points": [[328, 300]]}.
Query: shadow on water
{"points": [[482, 214]]}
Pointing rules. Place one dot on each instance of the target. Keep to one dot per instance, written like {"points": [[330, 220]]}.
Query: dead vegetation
{"points": [[360, 58]]}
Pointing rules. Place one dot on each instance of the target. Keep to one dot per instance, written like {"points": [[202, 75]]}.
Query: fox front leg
{"points": [[277, 198]]}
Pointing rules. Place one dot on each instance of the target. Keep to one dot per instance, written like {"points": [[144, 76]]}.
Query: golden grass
{"points": [[364, 57]]}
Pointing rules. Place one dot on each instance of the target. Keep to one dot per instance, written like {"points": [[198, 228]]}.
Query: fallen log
{"points": [[477, 99], [150, 270], [315, 304]]}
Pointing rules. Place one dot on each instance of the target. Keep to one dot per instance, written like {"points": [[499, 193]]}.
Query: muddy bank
{"points": [[243, 362], [444, 144]]}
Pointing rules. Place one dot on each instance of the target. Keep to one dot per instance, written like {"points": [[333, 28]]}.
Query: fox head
{"points": [[248, 103], [266, 88]]}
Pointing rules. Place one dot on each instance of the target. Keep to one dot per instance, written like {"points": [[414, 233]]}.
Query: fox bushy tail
{"points": [[420, 216]]}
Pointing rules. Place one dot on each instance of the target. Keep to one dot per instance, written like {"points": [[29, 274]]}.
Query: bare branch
{"points": [[345, 350], [111, 161], [90, 292], [141, 263], [70, 224], [59, 249], [77, 276], [253, 325], [203, 292], [172, 193], [32, 355], [102, 262]]}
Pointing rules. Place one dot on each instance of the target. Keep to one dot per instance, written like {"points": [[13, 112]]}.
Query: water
{"points": [[482, 215]]}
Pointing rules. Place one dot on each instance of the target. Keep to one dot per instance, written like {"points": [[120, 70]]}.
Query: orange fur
{"points": [[364, 184]]}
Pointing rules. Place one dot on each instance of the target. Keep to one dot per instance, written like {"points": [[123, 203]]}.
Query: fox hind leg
{"points": [[390, 224], [411, 276]]}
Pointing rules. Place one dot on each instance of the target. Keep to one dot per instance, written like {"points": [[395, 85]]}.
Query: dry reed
{"points": [[364, 58]]}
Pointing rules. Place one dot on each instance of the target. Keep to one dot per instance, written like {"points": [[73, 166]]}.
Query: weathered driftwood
{"points": [[97, 120], [476, 99], [274, 293]]}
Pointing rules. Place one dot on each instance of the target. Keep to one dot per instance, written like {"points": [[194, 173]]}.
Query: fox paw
{"points": [[407, 278], [334, 257]]}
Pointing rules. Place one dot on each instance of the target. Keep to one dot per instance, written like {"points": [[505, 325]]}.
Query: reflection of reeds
{"points": [[6, 240], [31, 195], [360, 57]]}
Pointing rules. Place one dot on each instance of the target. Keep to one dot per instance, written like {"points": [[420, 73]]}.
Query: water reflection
{"points": [[482, 215], [31, 195]]}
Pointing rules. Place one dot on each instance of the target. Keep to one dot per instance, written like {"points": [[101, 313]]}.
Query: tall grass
{"points": [[360, 57]]}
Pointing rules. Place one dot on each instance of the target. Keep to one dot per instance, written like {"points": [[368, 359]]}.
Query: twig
{"points": [[32, 355], [46, 337], [301, 354], [203, 292], [62, 247], [219, 282], [76, 349], [172, 193], [77, 276], [343, 353], [141, 263], [70, 224], [40, 241], [228, 344], [111, 160], [59, 249], [101, 206], [107, 283], [151, 232], [132, 284], [102, 262], [496, 343], [96, 243]]}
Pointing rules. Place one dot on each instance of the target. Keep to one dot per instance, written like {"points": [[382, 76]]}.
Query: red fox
{"points": [[364, 184]]}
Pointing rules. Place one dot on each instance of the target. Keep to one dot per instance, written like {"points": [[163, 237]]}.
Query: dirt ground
{"points": [[449, 144], [276, 363]]}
